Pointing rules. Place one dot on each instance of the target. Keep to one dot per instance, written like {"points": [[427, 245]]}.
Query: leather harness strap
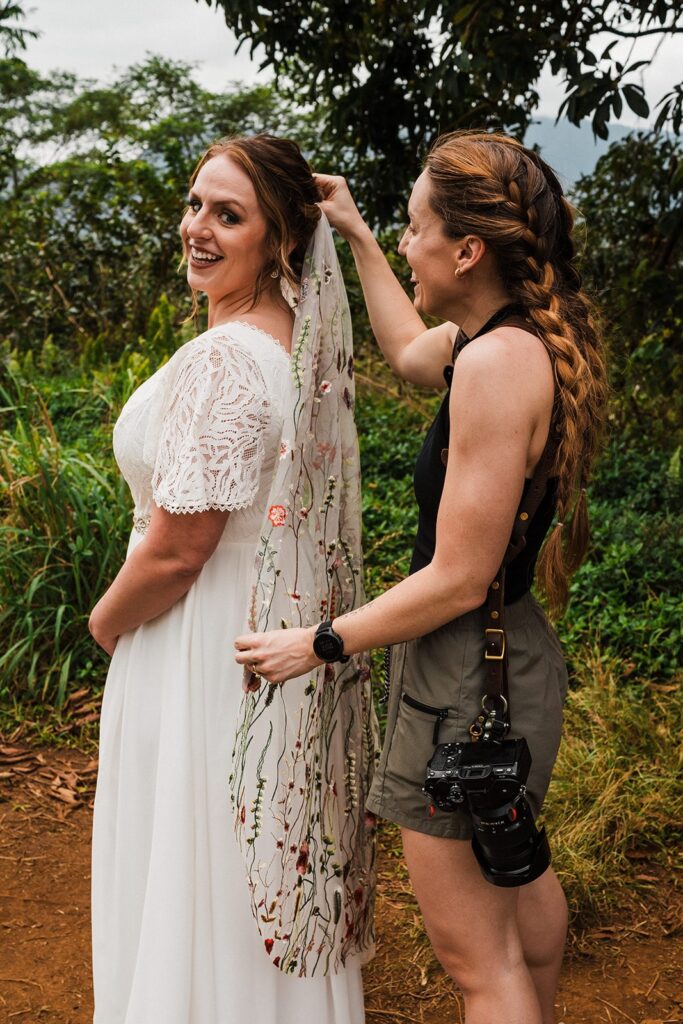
{"points": [[496, 703], [495, 643]]}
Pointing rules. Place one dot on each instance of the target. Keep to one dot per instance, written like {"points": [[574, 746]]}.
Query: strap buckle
{"points": [[494, 649]]}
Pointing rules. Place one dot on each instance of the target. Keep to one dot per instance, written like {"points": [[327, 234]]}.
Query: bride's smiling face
{"points": [[224, 232]]}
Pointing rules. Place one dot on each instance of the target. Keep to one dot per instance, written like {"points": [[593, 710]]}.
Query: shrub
{"points": [[615, 789], [63, 523]]}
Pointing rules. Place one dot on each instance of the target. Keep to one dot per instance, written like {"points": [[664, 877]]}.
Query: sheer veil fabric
{"points": [[305, 751]]}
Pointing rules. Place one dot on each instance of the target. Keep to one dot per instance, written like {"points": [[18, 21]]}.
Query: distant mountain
{"points": [[569, 150]]}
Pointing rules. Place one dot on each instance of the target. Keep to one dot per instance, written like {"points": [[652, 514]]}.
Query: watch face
{"points": [[327, 646]]}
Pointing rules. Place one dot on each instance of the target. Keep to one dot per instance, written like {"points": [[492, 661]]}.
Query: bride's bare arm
{"points": [[157, 573], [414, 352]]}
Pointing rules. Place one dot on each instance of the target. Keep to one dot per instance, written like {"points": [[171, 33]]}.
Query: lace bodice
{"points": [[204, 431]]}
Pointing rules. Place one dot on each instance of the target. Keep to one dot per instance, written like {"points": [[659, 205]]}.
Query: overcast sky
{"points": [[92, 37]]}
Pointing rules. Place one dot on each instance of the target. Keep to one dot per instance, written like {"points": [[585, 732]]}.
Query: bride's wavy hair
{"points": [[287, 194], [491, 186]]}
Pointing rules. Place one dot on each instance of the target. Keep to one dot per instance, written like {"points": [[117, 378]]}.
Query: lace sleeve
{"points": [[211, 440]]}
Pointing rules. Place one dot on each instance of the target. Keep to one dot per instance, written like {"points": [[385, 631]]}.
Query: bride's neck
{"points": [[229, 307]]}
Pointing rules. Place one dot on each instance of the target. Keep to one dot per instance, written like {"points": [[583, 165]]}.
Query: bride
{"points": [[232, 872]]}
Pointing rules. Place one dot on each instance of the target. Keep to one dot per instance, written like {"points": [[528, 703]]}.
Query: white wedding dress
{"points": [[174, 940]]}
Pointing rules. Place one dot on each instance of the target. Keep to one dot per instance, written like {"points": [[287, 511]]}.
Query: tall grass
{"points": [[63, 519], [616, 787]]}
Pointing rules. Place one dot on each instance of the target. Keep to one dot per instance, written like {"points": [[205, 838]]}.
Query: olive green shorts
{"points": [[445, 672]]}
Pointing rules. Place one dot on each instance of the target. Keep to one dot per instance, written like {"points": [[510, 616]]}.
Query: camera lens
{"points": [[510, 850]]}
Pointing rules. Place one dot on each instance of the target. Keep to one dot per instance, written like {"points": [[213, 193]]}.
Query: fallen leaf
{"points": [[66, 795], [73, 698]]}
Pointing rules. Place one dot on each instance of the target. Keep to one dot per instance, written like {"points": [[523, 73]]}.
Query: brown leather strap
{"points": [[497, 698], [495, 640]]}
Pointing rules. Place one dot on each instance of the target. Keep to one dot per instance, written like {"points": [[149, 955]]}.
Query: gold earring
{"points": [[458, 271], [275, 273]]}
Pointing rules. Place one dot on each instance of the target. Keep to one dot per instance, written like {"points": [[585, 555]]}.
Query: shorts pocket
{"points": [[438, 714], [411, 748]]}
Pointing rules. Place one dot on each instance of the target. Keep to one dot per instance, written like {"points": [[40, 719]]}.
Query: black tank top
{"points": [[430, 474]]}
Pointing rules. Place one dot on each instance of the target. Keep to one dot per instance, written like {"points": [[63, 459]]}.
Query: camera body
{"points": [[488, 779]]}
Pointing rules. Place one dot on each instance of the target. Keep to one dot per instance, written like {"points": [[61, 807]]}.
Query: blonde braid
{"points": [[580, 398], [490, 185]]}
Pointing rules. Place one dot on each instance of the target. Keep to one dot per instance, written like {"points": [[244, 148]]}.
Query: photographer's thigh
{"points": [[472, 926]]}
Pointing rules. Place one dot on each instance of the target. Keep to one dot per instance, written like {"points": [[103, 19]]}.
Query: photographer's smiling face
{"points": [[224, 234], [432, 256]]}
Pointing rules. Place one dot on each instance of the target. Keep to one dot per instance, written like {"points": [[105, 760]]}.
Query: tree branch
{"points": [[646, 31], [573, 24], [54, 283]]}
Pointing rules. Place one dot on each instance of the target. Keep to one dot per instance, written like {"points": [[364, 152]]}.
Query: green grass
{"points": [[615, 790], [64, 522], [64, 516]]}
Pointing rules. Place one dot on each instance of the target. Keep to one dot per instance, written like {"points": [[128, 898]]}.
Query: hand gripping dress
{"points": [[174, 940]]}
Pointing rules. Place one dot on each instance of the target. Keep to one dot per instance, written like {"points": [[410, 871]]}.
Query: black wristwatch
{"points": [[328, 645]]}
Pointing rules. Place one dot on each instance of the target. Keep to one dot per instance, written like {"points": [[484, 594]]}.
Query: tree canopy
{"points": [[13, 35], [632, 205], [396, 73]]}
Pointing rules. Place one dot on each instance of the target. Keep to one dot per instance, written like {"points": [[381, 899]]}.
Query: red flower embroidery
{"points": [[269, 945], [302, 859], [277, 515]]}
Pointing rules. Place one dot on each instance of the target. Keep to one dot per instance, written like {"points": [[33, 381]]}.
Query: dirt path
{"points": [[628, 970]]}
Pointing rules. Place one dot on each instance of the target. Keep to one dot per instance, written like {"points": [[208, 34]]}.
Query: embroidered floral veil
{"points": [[305, 751]]}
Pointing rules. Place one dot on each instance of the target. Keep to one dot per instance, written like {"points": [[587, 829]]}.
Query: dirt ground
{"points": [[627, 970]]}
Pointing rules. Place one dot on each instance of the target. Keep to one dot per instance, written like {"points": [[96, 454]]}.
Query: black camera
{"points": [[488, 778]]}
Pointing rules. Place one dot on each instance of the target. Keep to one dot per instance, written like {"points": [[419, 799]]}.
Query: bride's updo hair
{"points": [[286, 192]]}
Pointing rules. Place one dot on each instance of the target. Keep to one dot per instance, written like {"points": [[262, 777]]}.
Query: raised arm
{"points": [[414, 352]]}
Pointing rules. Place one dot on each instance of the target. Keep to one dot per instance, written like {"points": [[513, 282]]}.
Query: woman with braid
{"points": [[489, 242]]}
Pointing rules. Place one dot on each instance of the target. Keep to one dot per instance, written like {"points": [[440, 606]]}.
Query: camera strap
{"points": [[495, 720]]}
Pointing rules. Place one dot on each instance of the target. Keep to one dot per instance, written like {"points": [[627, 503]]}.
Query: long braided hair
{"points": [[491, 186]]}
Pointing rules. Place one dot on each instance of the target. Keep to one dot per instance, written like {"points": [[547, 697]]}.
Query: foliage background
{"points": [[92, 180]]}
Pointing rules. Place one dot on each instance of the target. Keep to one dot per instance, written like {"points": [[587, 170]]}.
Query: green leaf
{"points": [[635, 97]]}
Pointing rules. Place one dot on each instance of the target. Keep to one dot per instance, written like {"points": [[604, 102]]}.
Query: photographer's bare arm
{"points": [[501, 403], [414, 352], [160, 570]]}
